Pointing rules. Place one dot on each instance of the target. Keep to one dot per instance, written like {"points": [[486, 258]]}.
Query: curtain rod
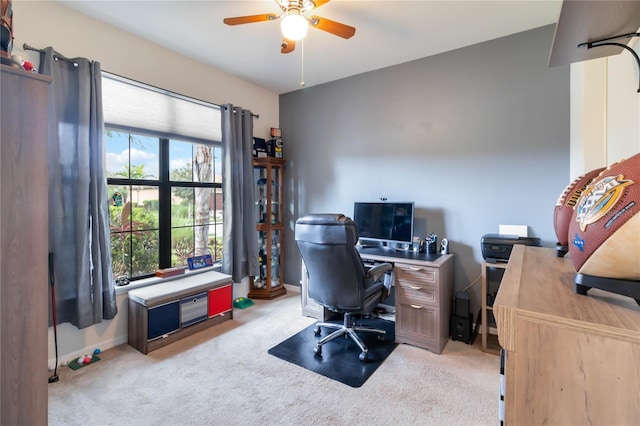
{"points": [[25, 46], [252, 114]]}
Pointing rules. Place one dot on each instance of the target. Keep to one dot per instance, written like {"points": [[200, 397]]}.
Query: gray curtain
{"points": [[240, 248], [78, 209]]}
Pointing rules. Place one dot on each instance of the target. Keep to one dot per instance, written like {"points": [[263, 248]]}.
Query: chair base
{"points": [[347, 328]]}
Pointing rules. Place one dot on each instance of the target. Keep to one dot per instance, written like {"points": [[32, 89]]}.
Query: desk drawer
{"points": [[416, 274], [414, 292]]}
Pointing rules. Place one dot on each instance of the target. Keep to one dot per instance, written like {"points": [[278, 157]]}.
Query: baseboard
{"points": [[292, 288]]}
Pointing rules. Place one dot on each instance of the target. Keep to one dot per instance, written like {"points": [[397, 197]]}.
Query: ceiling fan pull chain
{"points": [[302, 63]]}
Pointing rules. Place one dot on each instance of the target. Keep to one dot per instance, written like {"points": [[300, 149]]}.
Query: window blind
{"points": [[136, 106]]}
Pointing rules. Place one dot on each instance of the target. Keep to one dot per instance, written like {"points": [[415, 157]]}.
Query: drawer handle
{"points": [[195, 300], [416, 306], [415, 268], [415, 287]]}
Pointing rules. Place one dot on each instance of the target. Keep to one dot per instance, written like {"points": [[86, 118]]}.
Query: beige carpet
{"points": [[224, 376]]}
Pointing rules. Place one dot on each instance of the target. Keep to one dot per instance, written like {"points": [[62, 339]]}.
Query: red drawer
{"points": [[220, 300]]}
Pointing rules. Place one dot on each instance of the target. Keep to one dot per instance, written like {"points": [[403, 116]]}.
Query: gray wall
{"points": [[477, 137]]}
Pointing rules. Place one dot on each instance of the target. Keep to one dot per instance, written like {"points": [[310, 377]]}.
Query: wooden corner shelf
{"points": [[268, 173]]}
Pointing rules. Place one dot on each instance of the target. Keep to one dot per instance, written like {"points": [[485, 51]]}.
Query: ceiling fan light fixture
{"points": [[294, 26]]}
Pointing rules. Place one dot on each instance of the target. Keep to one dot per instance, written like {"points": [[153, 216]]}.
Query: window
{"points": [[165, 201], [164, 177]]}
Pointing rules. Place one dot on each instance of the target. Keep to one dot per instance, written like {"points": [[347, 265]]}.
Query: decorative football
{"points": [[567, 201], [604, 231]]}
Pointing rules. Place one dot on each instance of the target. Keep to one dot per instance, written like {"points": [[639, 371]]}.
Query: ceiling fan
{"points": [[294, 23]]}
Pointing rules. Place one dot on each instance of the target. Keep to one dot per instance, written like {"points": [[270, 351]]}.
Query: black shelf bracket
{"points": [[610, 42]]}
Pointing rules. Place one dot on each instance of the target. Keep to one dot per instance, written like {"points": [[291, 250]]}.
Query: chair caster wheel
{"points": [[363, 357], [317, 351], [316, 331]]}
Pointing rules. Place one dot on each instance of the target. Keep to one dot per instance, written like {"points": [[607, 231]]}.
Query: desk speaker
{"points": [[460, 328], [461, 304]]}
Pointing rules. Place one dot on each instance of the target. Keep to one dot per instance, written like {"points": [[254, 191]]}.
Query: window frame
{"points": [[165, 186]]}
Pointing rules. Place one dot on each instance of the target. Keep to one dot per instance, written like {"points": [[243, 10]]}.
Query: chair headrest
{"points": [[324, 219], [327, 228]]}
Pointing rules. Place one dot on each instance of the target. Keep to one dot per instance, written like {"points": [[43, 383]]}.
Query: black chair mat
{"points": [[339, 360]]}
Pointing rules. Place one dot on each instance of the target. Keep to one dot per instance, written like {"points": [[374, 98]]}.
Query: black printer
{"points": [[497, 247]]}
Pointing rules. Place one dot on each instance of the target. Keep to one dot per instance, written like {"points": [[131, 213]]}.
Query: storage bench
{"points": [[162, 313]]}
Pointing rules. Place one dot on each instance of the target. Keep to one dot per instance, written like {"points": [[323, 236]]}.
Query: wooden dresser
{"points": [[24, 243], [570, 359], [423, 295]]}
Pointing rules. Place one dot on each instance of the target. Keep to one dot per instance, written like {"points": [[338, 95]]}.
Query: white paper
{"points": [[519, 230]]}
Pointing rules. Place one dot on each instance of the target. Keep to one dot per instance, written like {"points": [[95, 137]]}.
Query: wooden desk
{"points": [[423, 291], [570, 359]]}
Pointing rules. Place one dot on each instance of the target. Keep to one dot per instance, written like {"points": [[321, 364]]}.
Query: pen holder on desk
{"points": [[431, 247], [431, 243]]}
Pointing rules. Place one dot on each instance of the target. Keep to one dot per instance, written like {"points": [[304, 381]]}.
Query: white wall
{"points": [[623, 107], [45, 23], [73, 343], [605, 112]]}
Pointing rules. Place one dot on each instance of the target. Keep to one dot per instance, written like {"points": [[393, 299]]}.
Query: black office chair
{"points": [[337, 277]]}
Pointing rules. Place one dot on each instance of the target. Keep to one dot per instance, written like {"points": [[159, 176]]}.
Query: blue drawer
{"points": [[163, 320], [193, 309]]}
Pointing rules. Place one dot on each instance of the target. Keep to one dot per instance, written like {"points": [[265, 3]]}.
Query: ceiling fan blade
{"points": [[318, 3], [250, 19], [333, 27], [287, 45]]}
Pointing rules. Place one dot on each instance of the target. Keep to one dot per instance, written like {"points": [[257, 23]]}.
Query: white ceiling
{"points": [[387, 33]]}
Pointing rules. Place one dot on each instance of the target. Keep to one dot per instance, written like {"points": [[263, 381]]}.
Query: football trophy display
{"points": [[564, 208], [604, 231]]}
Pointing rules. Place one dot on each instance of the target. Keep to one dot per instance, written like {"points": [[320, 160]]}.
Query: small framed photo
{"points": [[199, 262]]}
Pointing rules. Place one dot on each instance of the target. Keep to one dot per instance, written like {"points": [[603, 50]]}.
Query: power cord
{"points": [[474, 282]]}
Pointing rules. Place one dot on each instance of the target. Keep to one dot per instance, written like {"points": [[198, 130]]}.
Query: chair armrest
{"points": [[378, 270]]}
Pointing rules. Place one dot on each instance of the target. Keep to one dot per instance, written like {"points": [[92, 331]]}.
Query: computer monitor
{"points": [[384, 223]]}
